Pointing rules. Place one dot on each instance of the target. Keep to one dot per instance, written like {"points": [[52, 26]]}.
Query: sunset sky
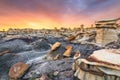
{"points": [[55, 13]]}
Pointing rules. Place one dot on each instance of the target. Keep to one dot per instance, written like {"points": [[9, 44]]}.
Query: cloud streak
{"points": [[60, 11]]}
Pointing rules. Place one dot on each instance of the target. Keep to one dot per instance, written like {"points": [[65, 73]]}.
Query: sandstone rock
{"points": [[105, 57], [67, 53], [101, 65], [55, 46], [17, 70]]}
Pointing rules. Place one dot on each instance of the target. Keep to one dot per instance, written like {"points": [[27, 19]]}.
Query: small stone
{"points": [[55, 73], [44, 77], [37, 72], [56, 57], [77, 54]]}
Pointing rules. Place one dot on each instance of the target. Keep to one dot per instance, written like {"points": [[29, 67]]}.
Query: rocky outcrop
{"points": [[69, 50], [26, 52], [16, 50], [101, 65]]}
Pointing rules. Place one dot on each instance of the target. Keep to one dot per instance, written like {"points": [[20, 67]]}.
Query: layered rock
{"points": [[101, 65]]}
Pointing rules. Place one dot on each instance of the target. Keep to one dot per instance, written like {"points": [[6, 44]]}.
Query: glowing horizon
{"points": [[39, 14]]}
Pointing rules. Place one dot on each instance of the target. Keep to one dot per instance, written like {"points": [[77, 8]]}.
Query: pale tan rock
{"points": [[17, 70], [55, 46], [56, 57], [55, 73], [105, 57]]}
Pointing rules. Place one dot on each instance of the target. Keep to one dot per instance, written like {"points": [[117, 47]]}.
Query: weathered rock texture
{"points": [[56, 70], [106, 31], [106, 35], [101, 65]]}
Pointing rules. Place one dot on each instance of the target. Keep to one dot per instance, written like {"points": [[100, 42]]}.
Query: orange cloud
{"points": [[55, 13]]}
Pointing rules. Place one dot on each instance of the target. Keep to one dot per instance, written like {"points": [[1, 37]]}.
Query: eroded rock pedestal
{"points": [[101, 65]]}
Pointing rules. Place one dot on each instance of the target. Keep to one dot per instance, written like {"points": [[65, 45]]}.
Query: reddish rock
{"points": [[17, 70]]}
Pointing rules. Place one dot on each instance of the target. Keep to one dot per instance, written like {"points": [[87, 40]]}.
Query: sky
{"points": [[40, 14]]}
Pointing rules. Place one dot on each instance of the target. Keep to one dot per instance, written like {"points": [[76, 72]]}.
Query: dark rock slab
{"points": [[63, 67]]}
